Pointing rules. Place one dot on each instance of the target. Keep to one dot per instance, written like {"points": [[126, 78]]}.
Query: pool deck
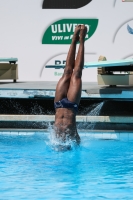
{"points": [[42, 85], [46, 89], [51, 85]]}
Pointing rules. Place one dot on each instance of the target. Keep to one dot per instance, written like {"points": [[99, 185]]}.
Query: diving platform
{"points": [[109, 72], [103, 64], [8, 69], [111, 84], [9, 60]]}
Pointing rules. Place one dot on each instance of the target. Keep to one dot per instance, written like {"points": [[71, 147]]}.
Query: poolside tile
{"points": [[6, 132], [114, 136], [124, 136], [106, 136], [98, 135], [22, 133], [130, 136]]}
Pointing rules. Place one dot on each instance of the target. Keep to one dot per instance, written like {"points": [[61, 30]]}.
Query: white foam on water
{"points": [[57, 143]]}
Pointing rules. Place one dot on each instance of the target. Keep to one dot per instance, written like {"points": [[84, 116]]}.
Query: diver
{"points": [[68, 90]]}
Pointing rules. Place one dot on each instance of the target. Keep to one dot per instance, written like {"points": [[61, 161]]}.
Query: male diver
{"points": [[68, 90]]}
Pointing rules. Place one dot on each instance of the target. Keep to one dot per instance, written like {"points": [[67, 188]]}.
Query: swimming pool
{"points": [[31, 169]]}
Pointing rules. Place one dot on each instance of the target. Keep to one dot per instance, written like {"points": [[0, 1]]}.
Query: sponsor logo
{"points": [[60, 62], [58, 73], [61, 32], [64, 4], [53, 69], [130, 30], [124, 26]]}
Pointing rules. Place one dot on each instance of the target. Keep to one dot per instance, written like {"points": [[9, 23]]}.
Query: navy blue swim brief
{"points": [[65, 103]]}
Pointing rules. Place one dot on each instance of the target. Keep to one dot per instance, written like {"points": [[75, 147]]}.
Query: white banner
{"points": [[36, 34]]}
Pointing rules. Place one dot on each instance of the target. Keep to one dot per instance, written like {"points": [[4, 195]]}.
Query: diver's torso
{"points": [[65, 124], [65, 118]]}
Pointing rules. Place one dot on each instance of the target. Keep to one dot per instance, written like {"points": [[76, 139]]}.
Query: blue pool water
{"points": [[99, 169]]}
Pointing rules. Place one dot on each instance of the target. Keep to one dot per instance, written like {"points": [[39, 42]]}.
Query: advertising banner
{"points": [[61, 32], [39, 33]]}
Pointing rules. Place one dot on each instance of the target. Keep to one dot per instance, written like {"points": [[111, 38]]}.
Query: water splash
{"points": [[94, 112], [17, 106], [57, 144]]}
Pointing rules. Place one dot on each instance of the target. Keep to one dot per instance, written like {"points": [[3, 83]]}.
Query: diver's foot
{"points": [[76, 34], [83, 31]]}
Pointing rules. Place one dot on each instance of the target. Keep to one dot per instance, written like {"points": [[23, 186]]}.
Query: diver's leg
{"points": [[74, 92], [64, 82]]}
